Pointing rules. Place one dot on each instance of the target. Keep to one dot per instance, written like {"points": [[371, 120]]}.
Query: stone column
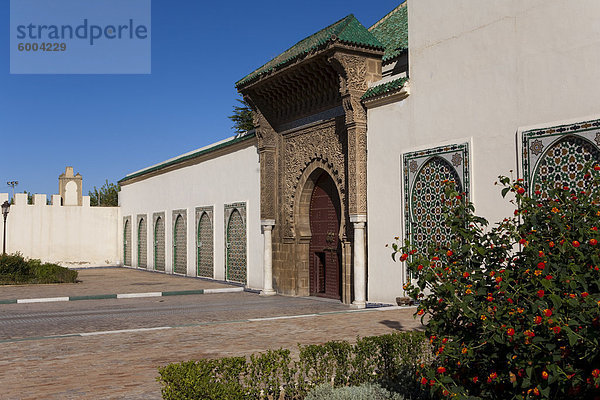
{"points": [[360, 265], [267, 225]]}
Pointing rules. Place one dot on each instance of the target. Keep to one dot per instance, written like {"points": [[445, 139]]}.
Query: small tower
{"points": [[70, 188]]}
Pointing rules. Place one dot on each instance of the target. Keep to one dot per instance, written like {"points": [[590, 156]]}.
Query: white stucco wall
{"points": [[71, 236], [478, 72], [231, 177]]}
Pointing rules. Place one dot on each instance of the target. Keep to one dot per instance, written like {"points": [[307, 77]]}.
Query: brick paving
{"points": [[95, 281], [124, 365]]}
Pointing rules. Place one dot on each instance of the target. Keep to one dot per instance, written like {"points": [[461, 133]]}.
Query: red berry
{"points": [[575, 243], [593, 242]]}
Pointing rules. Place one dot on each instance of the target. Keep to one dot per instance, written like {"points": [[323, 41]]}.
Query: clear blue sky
{"points": [[107, 126]]}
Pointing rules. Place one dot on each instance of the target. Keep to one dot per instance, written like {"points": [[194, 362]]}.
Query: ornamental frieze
{"points": [[323, 144]]}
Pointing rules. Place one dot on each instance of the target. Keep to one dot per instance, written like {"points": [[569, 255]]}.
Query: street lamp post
{"points": [[13, 184], [5, 208]]}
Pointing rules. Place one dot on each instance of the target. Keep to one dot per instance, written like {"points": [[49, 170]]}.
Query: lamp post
{"points": [[5, 208], [13, 184]]}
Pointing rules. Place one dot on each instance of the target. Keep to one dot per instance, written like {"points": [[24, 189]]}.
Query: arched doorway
{"points": [[159, 244], [325, 249], [127, 243], [205, 247], [179, 246], [236, 248], [142, 247]]}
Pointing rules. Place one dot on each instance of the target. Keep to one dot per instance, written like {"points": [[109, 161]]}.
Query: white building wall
{"points": [[72, 236], [478, 72], [229, 178]]}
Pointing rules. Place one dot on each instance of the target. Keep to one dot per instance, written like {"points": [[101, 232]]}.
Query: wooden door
{"points": [[325, 249]]}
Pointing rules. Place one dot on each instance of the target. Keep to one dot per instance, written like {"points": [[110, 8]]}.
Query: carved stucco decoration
{"points": [[267, 137], [352, 70], [321, 144], [267, 147]]}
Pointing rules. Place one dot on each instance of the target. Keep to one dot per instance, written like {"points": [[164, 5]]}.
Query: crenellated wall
{"points": [[75, 236]]}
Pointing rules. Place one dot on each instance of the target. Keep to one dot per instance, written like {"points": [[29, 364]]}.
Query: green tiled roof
{"points": [[384, 88], [347, 30], [392, 31], [177, 160]]}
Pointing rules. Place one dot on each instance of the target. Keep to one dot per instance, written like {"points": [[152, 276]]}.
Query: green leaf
{"points": [[571, 335], [556, 301]]}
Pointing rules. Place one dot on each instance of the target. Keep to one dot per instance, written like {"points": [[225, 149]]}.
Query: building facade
{"points": [[356, 129]]}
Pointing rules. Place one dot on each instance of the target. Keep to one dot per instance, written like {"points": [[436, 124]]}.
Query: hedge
{"points": [[15, 269], [389, 360]]}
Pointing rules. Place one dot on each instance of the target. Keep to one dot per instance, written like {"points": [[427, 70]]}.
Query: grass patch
{"points": [[16, 270]]}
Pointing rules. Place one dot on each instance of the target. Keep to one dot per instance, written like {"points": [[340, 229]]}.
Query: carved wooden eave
{"points": [[309, 85]]}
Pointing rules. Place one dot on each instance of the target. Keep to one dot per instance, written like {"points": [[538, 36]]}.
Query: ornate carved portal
{"points": [[311, 124]]}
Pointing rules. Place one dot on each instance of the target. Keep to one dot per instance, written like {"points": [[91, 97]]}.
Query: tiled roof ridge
{"points": [[386, 16], [332, 32], [384, 88], [190, 155], [259, 71]]}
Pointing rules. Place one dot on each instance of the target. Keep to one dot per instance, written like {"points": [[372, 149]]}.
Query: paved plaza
{"points": [[111, 348]]}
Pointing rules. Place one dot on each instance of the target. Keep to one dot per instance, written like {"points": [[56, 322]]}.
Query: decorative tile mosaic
{"points": [[204, 242], [142, 243], [424, 174], [235, 242], [127, 241], [556, 156], [179, 242], [159, 241]]}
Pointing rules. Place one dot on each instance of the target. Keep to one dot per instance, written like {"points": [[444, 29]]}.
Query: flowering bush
{"points": [[513, 310]]}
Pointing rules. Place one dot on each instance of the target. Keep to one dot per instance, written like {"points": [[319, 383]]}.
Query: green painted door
{"points": [[236, 248], [205, 247], [159, 244]]}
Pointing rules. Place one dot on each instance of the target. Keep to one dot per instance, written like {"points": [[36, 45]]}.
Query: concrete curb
{"points": [[122, 295]]}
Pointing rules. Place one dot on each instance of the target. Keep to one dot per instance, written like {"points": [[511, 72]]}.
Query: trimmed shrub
{"points": [[14, 269], [52, 273], [367, 391], [273, 375], [513, 310]]}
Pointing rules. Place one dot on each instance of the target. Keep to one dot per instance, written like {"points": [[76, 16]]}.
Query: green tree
{"points": [[106, 196], [242, 117], [29, 198]]}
